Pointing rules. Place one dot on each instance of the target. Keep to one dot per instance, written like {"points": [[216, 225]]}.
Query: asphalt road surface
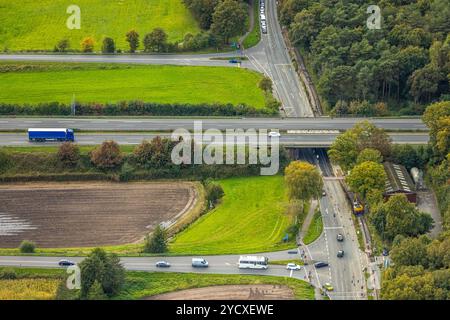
{"points": [[344, 274], [207, 60], [225, 264], [271, 57], [292, 140], [152, 124]]}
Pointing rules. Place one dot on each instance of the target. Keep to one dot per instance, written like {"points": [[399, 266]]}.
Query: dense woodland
{"points": [[397, 69]]}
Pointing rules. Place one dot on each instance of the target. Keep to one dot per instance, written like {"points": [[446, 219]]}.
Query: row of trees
{"points": [[140, 108], [362, 71]]}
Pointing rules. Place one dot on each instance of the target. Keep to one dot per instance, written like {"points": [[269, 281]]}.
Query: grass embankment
{"points": [[106, 83], [254, 36], [142, 284], [39, 25], [251, 218], [315, 229]]}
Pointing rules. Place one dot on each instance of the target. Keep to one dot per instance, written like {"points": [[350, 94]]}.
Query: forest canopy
{"points": [[397, 69]]}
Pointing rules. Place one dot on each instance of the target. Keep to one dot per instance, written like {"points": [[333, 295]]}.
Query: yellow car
{"points": [[327, 287]]}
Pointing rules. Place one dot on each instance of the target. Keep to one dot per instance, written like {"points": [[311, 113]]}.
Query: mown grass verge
{"points": [[315, 229]]}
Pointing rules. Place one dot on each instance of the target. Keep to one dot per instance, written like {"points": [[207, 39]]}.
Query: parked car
{"points": [[199, 263], [320, 264], [340, 237], [66, 263], [324, 193], [293, 266], [340, 254], [163, 264], [385, 252]]}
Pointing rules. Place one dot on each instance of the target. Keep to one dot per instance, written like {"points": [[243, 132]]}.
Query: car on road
{"points": [[385, 252], [340, 237], [320, 264], [327, 287], [163, 264], [199, 263], [66, 263], [234, 61], [274, 134], [340, 254], [293, 266], [292, 251], [324, 193]]}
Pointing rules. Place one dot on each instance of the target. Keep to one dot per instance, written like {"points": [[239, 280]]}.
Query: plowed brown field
{"points": [[231, 292], [88, 214]]}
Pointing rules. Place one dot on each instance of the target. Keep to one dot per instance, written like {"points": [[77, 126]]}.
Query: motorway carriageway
{"points": [[290, 140]]}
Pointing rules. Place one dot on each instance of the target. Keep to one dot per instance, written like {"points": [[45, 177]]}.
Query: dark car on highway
{"points": [[320, 264], [340, 254], [66, 263], [163, 264]]}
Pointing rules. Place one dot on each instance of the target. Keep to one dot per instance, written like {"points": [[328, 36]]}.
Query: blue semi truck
{"points": [[42, 135]]}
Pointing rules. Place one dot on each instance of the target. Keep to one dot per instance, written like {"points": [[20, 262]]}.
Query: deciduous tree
{"points": [[303, 180]]}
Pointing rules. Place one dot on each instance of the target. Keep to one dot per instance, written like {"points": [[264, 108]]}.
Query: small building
{"points": [[399, 182]]}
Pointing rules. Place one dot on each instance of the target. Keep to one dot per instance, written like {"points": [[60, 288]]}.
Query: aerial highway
{"points": [[170, 124], [289, 140]]}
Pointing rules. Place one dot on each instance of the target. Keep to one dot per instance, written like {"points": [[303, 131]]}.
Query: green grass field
{"points": [[315, 229], [34, 83], [251, 218], [40, 24]]}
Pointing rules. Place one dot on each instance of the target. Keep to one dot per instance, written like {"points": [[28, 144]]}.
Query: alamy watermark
{"points": [[234, 146], [374, 19], [74, 20], [74, 279]]}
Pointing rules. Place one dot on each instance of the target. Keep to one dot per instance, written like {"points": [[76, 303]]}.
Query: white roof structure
{"points": [[47, 130]]}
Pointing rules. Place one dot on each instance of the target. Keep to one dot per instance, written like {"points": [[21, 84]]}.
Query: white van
{"points": [[199, 263]]}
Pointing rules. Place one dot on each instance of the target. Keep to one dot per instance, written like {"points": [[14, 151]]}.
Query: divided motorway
{"points": [[291, 140], [154, 124]]}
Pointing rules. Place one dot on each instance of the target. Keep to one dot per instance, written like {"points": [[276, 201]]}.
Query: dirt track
{"points": [[87, 214], [237, 292]]}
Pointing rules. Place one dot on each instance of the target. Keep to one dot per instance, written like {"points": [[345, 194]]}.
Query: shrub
{"points": [[157, 243], [27, 247], [108, 45], [106, 270], [133, 40], [214, 192], [8, 274], [62, 45], [68, 154], [107, 156], [4, 160], [266, 84], [87, 45]]}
